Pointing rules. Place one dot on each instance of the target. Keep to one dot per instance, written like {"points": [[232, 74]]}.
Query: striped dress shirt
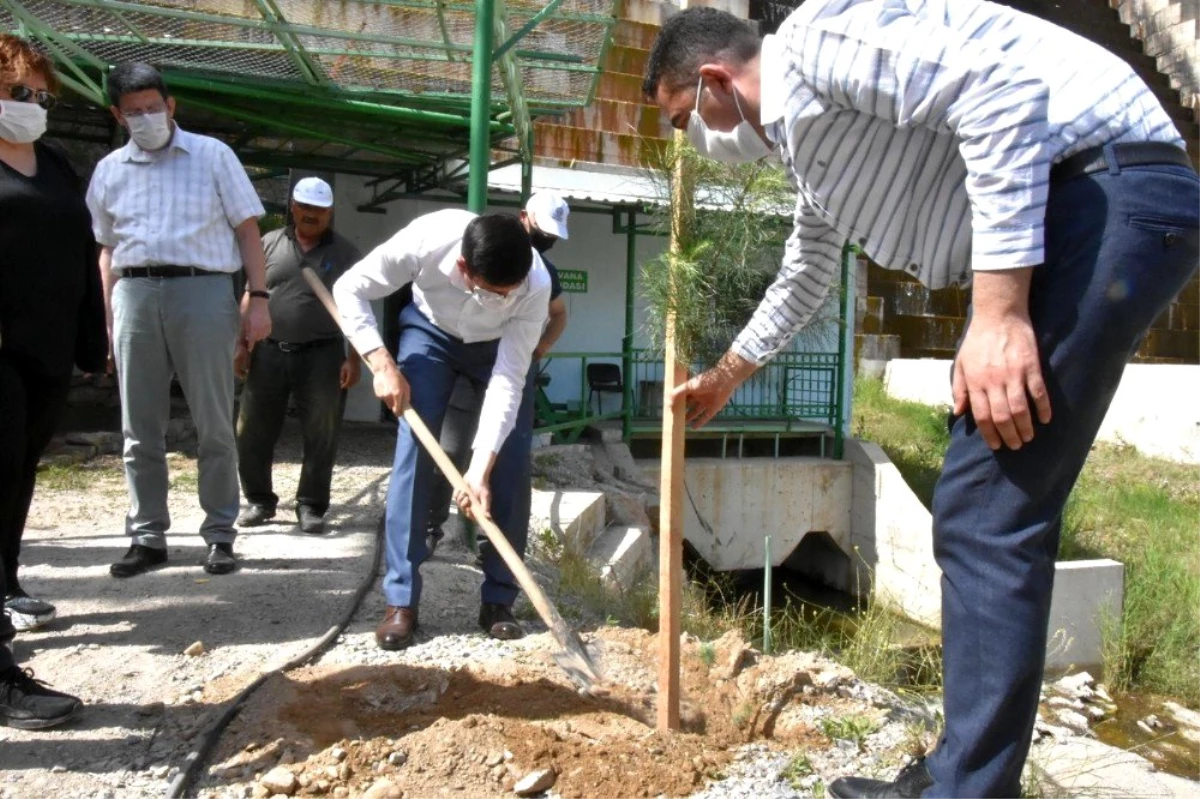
{"points": [[178, 206], [924, 131]]}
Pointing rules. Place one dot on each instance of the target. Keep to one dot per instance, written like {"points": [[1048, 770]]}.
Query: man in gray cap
{"points": [[306, 359]]}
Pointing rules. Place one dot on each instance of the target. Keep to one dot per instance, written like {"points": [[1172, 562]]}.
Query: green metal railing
{"points": [[793, 387]]}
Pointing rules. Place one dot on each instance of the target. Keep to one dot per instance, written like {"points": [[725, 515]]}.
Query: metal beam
{"points": [[278, 25], [299, 130], [441, 15], [526, 28], [510, 78], [398, 113], [481, 100]]}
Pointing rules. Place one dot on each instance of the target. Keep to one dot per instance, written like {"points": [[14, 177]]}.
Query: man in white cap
{"points": [[306, 358], [545, 219]]}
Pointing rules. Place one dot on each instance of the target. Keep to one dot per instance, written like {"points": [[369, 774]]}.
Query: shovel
{"points": [[574, 659]]}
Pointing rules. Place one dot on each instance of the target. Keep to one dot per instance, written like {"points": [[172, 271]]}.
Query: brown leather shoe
{"points": [[498, 622], [397, 628]]}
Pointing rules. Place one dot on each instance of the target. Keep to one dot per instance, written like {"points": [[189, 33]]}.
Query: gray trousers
{"points": [[184, 326]]}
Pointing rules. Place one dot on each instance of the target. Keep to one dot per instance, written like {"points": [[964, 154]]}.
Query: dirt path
{"points": [[119, 643]]}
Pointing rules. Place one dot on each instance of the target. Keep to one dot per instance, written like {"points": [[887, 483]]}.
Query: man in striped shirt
{"points": [[960, 141], [175, 215]]}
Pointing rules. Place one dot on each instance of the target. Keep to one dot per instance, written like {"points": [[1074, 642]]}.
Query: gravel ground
{"points": [[457, 714]]}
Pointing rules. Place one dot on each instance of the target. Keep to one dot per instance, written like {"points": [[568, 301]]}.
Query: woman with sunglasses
{"points": [[51, 318]]}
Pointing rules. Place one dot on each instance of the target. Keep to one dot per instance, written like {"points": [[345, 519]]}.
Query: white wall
{"points": [[1155, 408]]}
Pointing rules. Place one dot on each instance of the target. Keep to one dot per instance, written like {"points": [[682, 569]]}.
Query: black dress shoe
{"points": [[912, 780], [220, 559], [137, 560], [498, 622], [310, 521], [255, 515], [397, 629]]}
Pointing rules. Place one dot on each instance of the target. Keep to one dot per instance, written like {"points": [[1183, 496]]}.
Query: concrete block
{"points": [[621, 554], [732, 504], [1086, 594], [576, 517]]}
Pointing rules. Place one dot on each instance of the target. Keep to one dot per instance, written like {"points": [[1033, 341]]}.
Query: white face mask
{"points": [[490, 300], [738, 146], [150, 131], [21, 123]]}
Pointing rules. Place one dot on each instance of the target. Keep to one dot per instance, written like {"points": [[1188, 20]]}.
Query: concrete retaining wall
{"points": [[1156, 408]]}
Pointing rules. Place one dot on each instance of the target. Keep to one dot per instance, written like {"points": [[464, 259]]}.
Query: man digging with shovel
{"points": [[480, 299]]}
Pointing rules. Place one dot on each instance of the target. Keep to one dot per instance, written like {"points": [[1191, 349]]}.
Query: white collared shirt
{"points": [[177, 207], [924, 131], [425, 253]]}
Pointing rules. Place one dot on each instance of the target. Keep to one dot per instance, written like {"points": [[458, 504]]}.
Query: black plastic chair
{"points": [[603, 377]]}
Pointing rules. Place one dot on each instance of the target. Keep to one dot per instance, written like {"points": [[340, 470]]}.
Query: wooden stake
{"points": [[670, 527]]}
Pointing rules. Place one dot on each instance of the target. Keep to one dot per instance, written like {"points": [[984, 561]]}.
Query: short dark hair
{"points": [[692, 38], [133, 77], [497, 249]]}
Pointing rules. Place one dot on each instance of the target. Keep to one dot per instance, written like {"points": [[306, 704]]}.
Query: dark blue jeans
{"points": [[1119, 246], [432, 360]]}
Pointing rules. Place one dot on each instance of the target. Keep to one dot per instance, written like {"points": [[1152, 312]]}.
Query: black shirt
{"points": [[51, 303], [555, 285], [297, 316]]}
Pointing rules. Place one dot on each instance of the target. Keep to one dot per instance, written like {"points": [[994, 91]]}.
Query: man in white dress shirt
{"points": [[176, 216], [480, 300], [960, 141]]}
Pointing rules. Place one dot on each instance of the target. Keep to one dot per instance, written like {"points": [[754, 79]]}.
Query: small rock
{"points": [[493, 760], [195, 649], [321, 786], [338, 754], [158, 772], [331, 772], [1065, 701], [279, 780], [498, 773], [398, 758], [341, 792], [1074, 721], [344, 772], [1079, 685], [57, 769], [1095, 713], [383, 788], [737, 659], [536, 782]]}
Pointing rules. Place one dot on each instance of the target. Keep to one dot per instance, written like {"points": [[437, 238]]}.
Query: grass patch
{"points": [[1139, 510], [78, 476], [848, 728], [796, 770]]}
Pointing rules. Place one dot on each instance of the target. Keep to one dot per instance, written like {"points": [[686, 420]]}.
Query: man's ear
{"points": [[170, 108], [116, 112], [719, 75]]}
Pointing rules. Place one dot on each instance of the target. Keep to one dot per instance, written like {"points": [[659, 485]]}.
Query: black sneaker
{"points": [[910, 783], [26, 613], [255, 515], [29, 704]]}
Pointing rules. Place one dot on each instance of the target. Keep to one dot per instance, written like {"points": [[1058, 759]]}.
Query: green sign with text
{"points": [[573, 280]]}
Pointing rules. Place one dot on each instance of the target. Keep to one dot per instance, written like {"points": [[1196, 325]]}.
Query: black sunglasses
{"points": [[24, 94]]}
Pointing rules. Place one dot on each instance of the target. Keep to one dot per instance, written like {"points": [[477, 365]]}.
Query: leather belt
{"points": [[168, 270], [1093, 160], [289, 347]]}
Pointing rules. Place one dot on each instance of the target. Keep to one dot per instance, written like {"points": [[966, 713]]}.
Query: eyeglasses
{"points": [[23, 94]]}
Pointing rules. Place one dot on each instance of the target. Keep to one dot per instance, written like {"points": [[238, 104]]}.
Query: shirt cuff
{"points": [[749, 347], [366, 340], [1007, 248]]}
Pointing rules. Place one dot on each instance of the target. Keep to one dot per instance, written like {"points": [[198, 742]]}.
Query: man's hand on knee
{"points": [[997, 370]]}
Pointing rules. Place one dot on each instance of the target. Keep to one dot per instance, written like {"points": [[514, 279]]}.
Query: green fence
{"points": [[793, 387]]}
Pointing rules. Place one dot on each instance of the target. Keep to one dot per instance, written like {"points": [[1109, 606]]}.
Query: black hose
{"points": [[199, 756]]}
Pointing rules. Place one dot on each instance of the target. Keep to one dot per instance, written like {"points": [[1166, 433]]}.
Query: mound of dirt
{"points": [[473, 731]]}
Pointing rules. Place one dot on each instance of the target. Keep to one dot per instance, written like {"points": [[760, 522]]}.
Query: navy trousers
{"points": [[431, 361], [1119, 246]]}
